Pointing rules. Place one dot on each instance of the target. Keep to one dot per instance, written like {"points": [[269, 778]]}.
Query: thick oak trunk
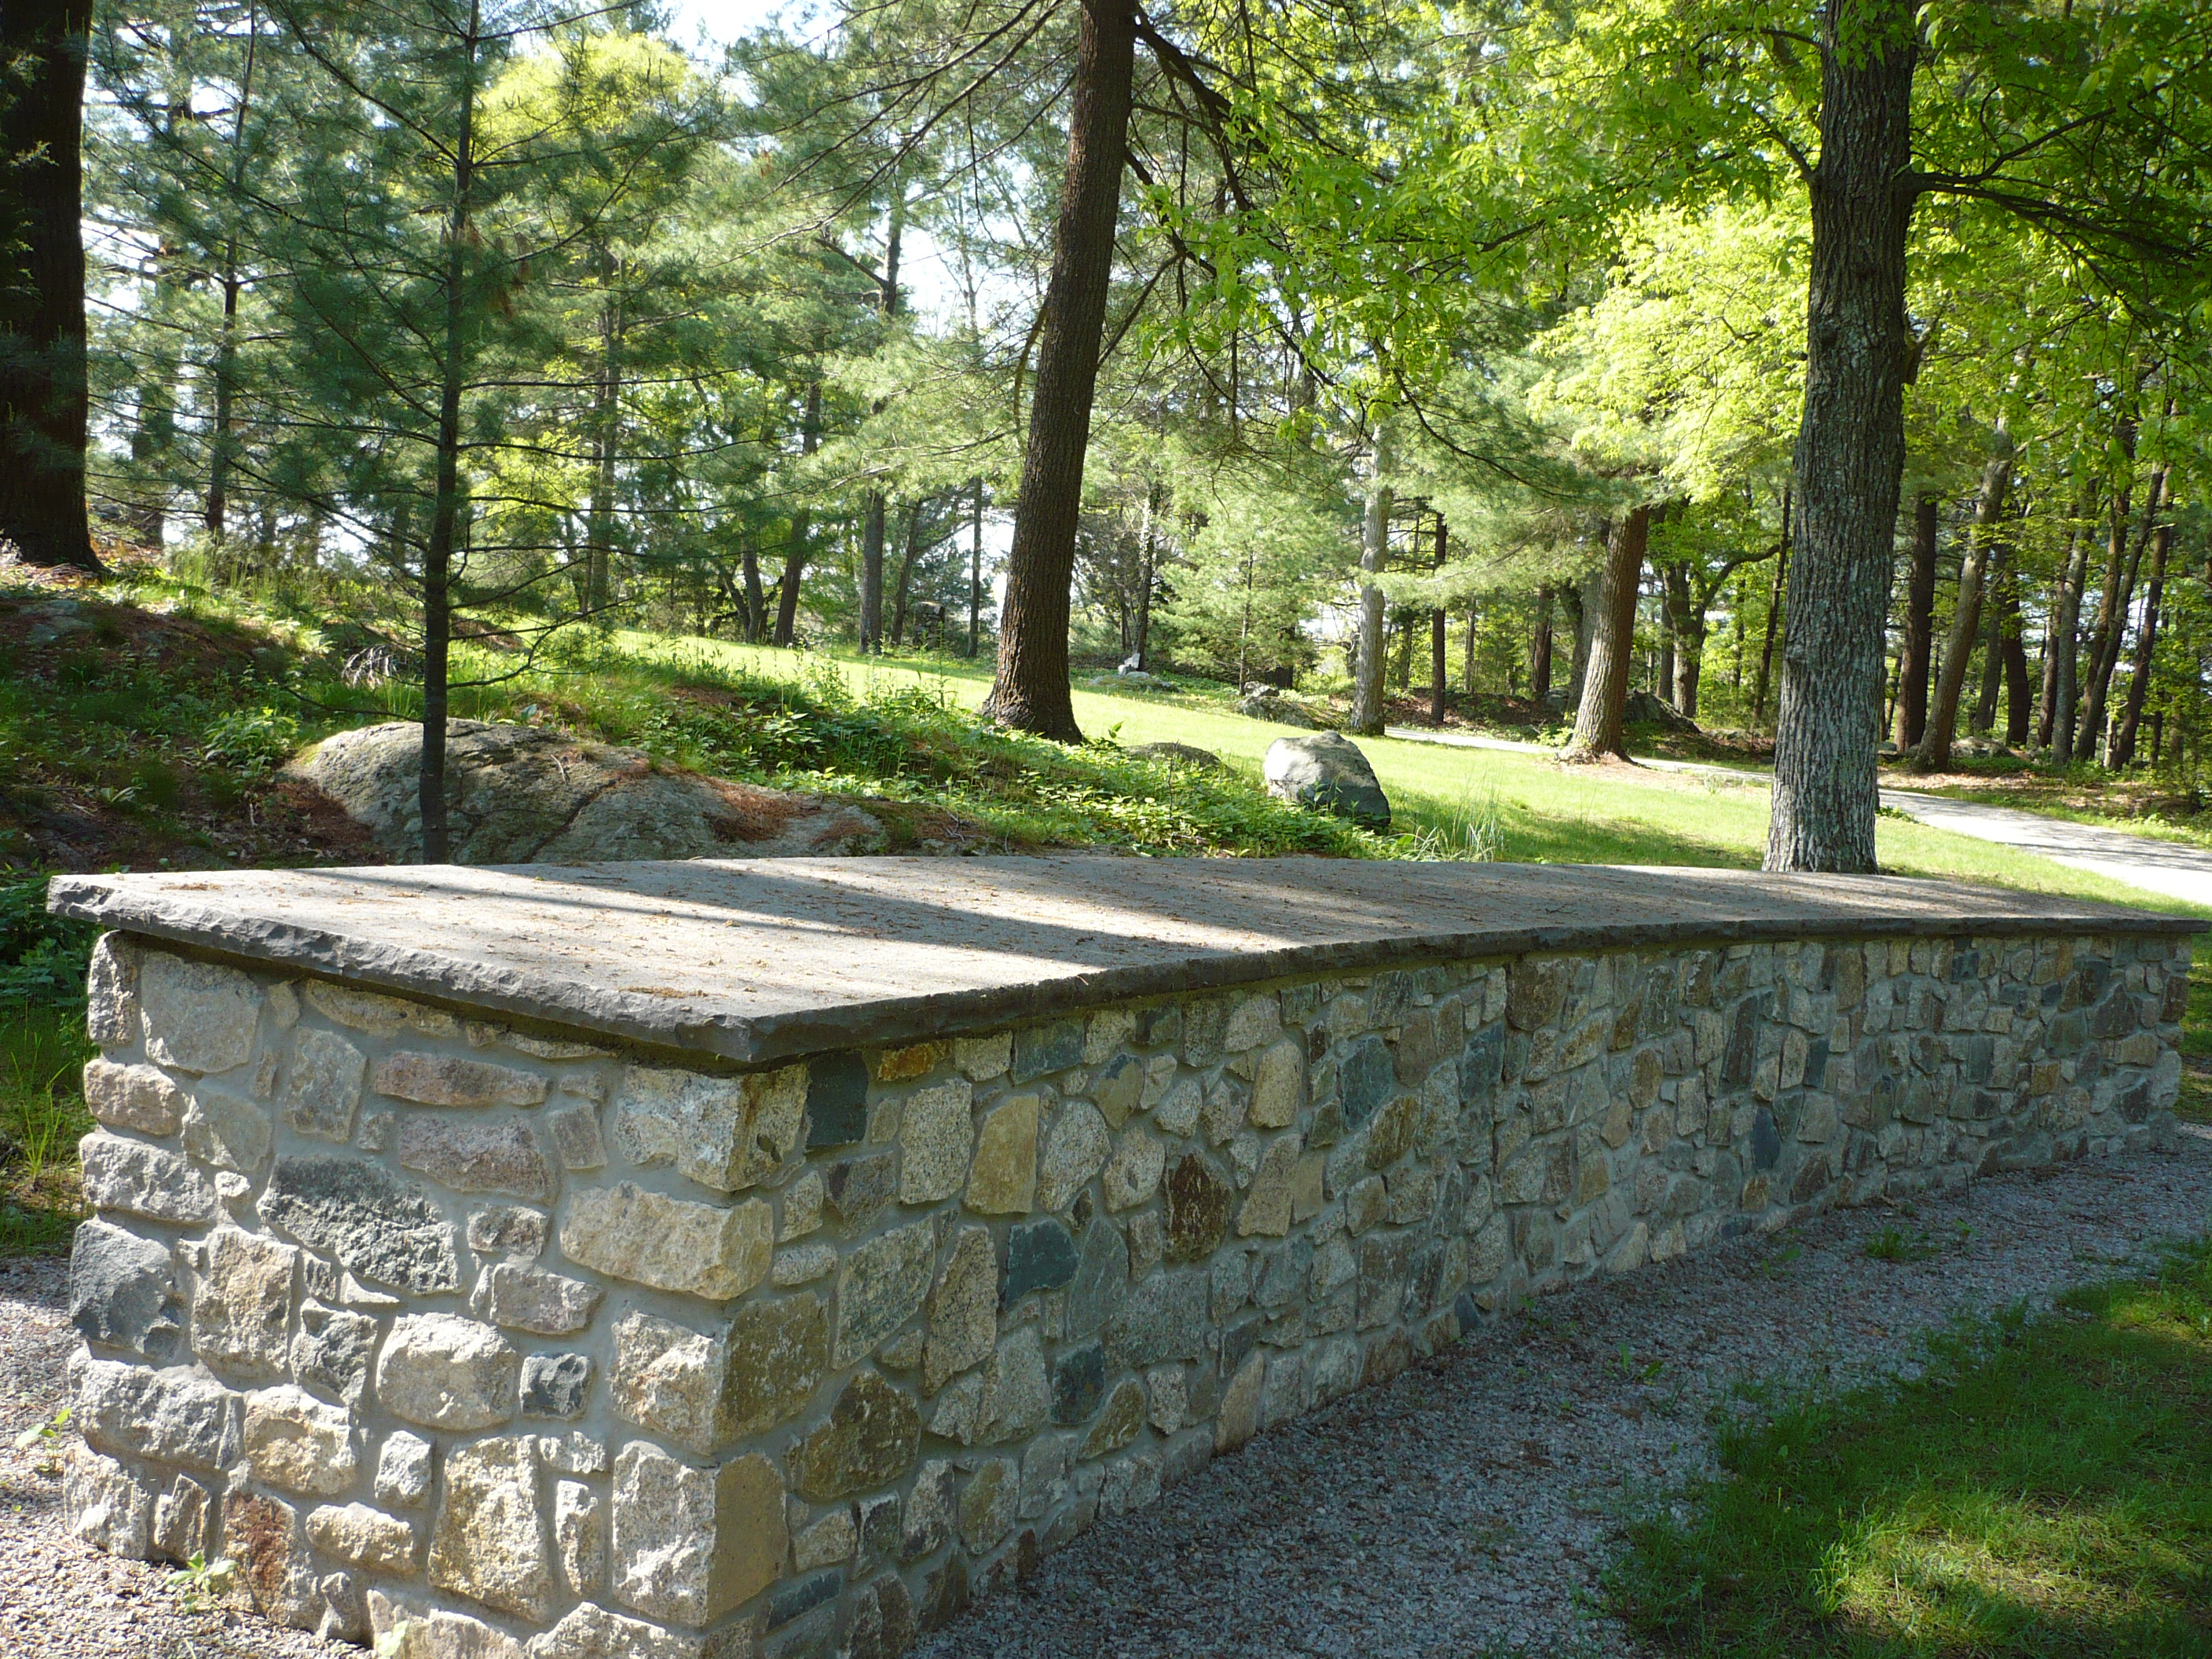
{"points": [[1918, 628], [1030, 692], [1599, 722], [43, 402], [1851, 444]]}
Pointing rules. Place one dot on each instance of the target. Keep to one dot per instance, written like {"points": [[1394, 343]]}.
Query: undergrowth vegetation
{"points": [[2044, 1488]]}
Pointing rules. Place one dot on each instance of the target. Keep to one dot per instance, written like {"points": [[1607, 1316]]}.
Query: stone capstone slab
{"points": [[786, 957], [378, 1226], [716, 1251]]}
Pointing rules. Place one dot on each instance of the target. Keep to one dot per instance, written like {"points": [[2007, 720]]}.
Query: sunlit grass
{"points": [[2045, 1490]]}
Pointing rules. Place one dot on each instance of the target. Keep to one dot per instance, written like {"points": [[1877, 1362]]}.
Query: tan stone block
{"points": [[446, 1372], [323, 1080], [488, 1543], [198, 1016], [691, 1544], [987, 1505], [1268, 1203], [1002, 1179], [1238, 1419], [984, 1057], [916, 1059], [1307, 1195], [365, 1537], [718, 1251], [140, 1097], [936, 1140], [963, 1311], [726, 1132], [1133, 1173], [870, 1440], [449, 1080], [579, 1537], [1279, 1085], [1075, 1150], [242, 1304], [111, 992], [293, 1440]]}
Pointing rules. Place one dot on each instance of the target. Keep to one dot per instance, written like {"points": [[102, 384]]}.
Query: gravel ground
{"points": [[1464, 1509]]}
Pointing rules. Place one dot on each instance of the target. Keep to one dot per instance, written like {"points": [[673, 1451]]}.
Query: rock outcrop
{"points": [[522, 795], [1326, 770]]}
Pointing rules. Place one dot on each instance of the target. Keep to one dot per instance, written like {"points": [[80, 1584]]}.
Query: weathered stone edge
{"points": [[682, 1023]]}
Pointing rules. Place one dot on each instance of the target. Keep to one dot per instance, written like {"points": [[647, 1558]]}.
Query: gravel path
{"points": [[1463, 1510]]}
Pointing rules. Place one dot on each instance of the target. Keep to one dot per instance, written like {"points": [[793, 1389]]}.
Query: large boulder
{"points": [[1182, 753], [1326, 770], [1269, 703], [521, 795]]}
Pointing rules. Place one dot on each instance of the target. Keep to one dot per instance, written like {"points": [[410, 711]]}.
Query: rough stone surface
{"points": [[430, 1079], [332, 1350], [1002, 1181], [322, 1084], [503, 1158], [490, 1542], [242, 1304], [139, 1097], [376, 1225], [122, 1291], [106, 1506], [293, 1440], [198, 1016], [1075, 1149], [1327, 771], [556, 1385], [723, 1132], [228, 1131], [937, 1134], [130, 1177], [963, 1311], [712, 1250], [522, 795], [529, 1299], [365, 1537], [442, 1371], [870, 1439], [690, 1545], [403, 1470], [881, 1285]]}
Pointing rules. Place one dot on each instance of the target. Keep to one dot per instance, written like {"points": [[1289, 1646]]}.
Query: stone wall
{"points": [[495, 1343]]}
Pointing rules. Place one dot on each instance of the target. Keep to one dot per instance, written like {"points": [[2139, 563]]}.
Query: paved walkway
{"points": [[2176, 869]]}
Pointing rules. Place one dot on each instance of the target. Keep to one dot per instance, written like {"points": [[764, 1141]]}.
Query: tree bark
{"points": [[2065, 653], [1147, 552], [1850, 462], [44, 405], [1584, 597], [606, 418], [1030, 692], [1935, 751], [1918, 628], [438, 552], [1685, 619], [906, 573], [975, 571], [1983, 719], [2124, 559], [2019, 699], [756, 595], [1539, 650], [1467, 674], [1775, 591], [2124, 740], [802, 525], [1374, 550], [872, 572], [1599, 720], [1437, 643]]}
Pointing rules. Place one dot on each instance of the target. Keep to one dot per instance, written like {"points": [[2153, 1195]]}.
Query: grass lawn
{"points": [[2045, 1490]]}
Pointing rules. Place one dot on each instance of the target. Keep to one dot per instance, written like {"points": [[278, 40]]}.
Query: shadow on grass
{"points": [[2045, 1490]]}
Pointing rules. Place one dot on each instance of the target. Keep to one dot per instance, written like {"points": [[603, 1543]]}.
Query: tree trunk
{"points": [[1539, 650], [1685, 619], [2124, 560], [44, 405], [1935, 751], [2019, 710], [1599, 721], [1374, 550], [1146, 554], [1919, 627], [976, 575], [438, 552], [1983, 719], [2124, 740], [1436, 640], [906, 573], [1850, 444], [2065, 646], [1776, 589], [1467, 675], [606, 416], [1586, 600], [872, 573], [802, 523], [755, 595], [1030, 692]]}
